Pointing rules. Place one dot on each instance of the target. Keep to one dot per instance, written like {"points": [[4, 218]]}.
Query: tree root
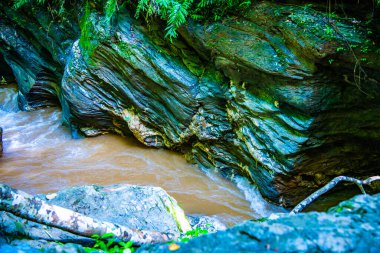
{"points": [[331, 185], [28, 207]]}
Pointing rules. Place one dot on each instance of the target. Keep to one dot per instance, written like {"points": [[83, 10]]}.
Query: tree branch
{"points": [[28, 207], [331, 185]]}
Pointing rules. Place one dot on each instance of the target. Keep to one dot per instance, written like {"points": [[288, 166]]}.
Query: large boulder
{"points": [[285, 95], [352, 226], [136, 207]]}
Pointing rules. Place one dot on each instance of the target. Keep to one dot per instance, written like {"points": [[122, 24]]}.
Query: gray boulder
{"points": [[352, 226], [136, 207]]}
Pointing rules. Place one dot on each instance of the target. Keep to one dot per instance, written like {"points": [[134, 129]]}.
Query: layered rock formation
{"points": [[284, 95]]}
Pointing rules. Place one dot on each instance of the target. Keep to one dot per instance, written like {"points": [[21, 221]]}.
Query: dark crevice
{"points": [[6, 73]]}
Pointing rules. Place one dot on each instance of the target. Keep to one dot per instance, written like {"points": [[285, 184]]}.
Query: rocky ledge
{"points": [[137, 207], [351, 226]]}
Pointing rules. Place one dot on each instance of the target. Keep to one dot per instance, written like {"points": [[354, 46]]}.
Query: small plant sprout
{"points": [[192, 234], [107, 243]]}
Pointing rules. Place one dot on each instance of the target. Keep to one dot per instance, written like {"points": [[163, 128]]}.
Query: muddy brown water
{"points": [[41, 157]]}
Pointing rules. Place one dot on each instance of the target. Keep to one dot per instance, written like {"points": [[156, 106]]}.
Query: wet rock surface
{"points": [[352, 226], [211, 224], [270, 95], [290, 109]]}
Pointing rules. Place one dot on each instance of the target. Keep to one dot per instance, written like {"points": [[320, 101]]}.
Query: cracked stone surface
{"points": [[137, 207], [351, 226]]}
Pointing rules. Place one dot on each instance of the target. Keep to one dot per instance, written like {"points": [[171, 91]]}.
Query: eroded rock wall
{"points": [[284, 95]]}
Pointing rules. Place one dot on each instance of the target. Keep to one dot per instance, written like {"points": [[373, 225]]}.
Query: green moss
{"points": [[110, 9], [85, 40], [124, 49], [178, 215]]}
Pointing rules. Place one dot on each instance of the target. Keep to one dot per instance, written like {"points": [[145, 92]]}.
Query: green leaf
{"points": [[129, 244], [107, 235], [110, 9], [95, 236], [102, 245], [19, 3], [88, 250], [185, 239], [110, 242]]}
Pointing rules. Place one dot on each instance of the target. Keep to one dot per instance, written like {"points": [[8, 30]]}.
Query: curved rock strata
{"points": [[270, 95]]}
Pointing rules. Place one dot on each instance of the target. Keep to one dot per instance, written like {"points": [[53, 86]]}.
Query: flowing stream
{"points": [[41, 157]]}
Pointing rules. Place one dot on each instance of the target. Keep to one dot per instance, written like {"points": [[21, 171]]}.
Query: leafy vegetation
{"points": [[173, 246], [3, 81], [106, 243], [192, 234], [85, 37], [174, 12]]}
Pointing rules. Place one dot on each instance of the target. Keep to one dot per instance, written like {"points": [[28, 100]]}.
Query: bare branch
{"points": [[331, 185], [28, 207]]}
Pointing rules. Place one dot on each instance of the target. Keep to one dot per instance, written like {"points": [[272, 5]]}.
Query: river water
{"points": [[41, 157]]}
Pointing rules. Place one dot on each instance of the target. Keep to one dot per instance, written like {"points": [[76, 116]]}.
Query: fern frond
{"points": [[110, 8], [177, 17], [85, 26], [141, 7], [174, 12], [19, 3]]}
